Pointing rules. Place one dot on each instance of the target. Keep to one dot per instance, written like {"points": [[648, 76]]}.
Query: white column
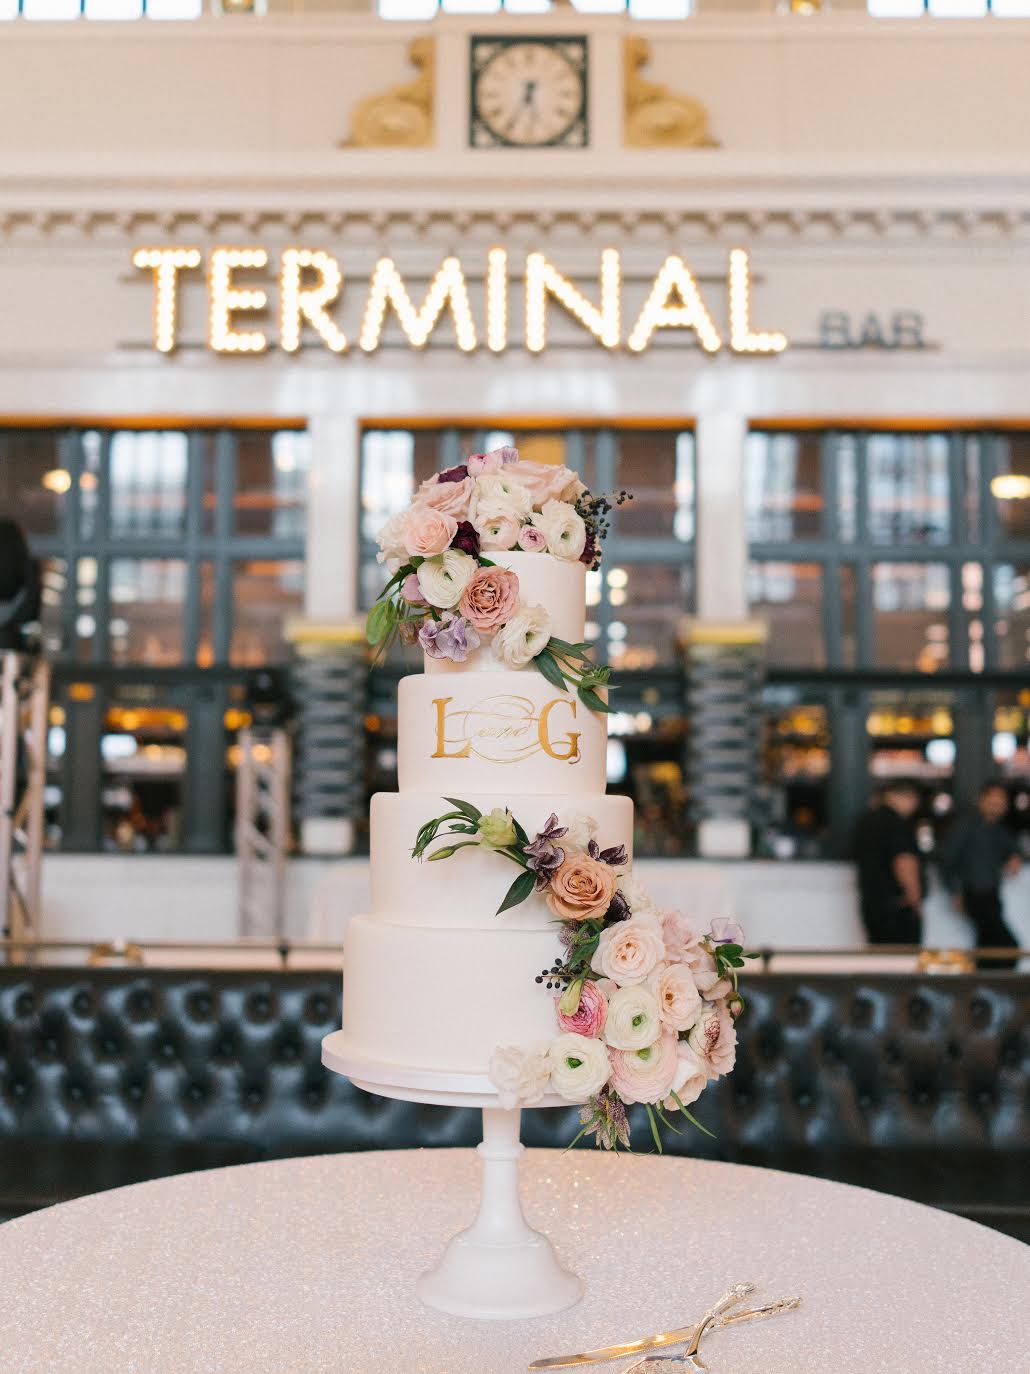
{"points": [[721, 552], [721, 548], [331, 573], [331, 584]]}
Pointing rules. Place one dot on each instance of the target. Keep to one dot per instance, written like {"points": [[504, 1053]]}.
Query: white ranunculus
{"points": [[496, 494], [520, 1076], [634, 1020], [522, 638], [635, 893], [579, 1066], [563, 528], [444, 577], [580, 828]]}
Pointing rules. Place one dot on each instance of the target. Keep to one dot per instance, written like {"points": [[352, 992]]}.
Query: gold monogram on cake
{"points": [[505, 729]]}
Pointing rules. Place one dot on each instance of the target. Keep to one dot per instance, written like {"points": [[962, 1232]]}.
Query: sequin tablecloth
{"points": [[306, 1266]]}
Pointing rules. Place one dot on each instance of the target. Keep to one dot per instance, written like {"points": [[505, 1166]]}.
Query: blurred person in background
{"points": [[890, 874], [19, 587], [977, 855]]}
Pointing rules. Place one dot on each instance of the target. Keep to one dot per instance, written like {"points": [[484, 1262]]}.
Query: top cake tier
{"points": [[556, 583]]}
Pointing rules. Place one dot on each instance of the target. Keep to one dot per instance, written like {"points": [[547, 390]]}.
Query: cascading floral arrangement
{"points": [[445, 593], [646, 1005]]}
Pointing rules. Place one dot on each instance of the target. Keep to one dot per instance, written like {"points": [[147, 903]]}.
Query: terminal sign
{"points": [[311, 284]]}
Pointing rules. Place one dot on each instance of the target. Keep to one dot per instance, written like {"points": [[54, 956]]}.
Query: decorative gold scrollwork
{"points": [[655, 116], [401, 117]]}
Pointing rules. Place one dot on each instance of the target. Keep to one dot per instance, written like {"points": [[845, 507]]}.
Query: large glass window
{"points": [[162, 552], [789, 597]]}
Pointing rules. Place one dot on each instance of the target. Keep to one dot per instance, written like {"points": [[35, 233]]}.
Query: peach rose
{"points": [[449, 498], [490, 598], [646, 1075], [547, 481], [629, 950], [427, 531], [581, 889]]}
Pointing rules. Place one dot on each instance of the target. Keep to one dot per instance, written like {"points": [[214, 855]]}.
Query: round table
{"points": [[308, 1265]]}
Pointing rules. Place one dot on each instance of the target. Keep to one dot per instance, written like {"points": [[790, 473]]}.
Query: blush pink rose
{"points": [[449, 498], [692, 1077], [713, 1038], [547, 482], [629, 950], [490, 598], [427, 531], [412, 591], [589, 1017], [531, 539], [682, 942], [645, 1075], [679, 1001], [711, 987]]}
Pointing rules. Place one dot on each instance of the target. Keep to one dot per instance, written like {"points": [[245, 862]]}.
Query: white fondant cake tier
{"points": [[556, 583], [443, 999], [464, 891], [504, 732]]}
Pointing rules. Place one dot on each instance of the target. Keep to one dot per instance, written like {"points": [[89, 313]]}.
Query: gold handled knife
{"points": [[663, 1338]]}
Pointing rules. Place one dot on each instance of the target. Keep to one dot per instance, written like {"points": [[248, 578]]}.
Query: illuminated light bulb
{"points": [[224, 298], [298, 303], [743, 339], [1011, 486], [544, 279], [57, 480], [166, 264], [658, 313], [448, 288], [497, 300]]}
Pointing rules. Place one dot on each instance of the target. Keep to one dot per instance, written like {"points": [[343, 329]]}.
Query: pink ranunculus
{"points": [[548, 482], [713, 1038], [629, 950], [412, 592], [531, 539], [679, 1002], [645, 1075], [499, 532], [490, 598], [682, 941], [449, 498], [589, 1018], [427, 531], [692, 1077], [493, 461]]}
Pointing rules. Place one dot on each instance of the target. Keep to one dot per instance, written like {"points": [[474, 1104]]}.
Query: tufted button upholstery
{"points": [[916, 1085]]}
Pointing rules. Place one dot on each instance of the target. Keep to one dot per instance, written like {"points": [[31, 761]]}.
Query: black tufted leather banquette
{"points": [[912, 1085]]}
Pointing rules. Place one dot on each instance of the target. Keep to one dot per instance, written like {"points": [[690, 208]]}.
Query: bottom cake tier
{"points": [[444, 999]]}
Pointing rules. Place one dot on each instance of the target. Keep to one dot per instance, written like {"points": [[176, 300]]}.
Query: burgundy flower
{"points": [[589, 554], [619, 909], [467, 539], [455, 474]]}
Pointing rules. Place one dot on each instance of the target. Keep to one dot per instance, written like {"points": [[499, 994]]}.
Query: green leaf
{"points": [[589, 698], [519, 890], [666, 1122], [546, 664], [692, 1118], [486, 562], [473, 813], [521, 835], [654, 1128], [381, 620]]}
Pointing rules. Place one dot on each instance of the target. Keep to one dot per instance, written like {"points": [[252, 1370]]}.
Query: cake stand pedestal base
{"points": [[500, 1268]]}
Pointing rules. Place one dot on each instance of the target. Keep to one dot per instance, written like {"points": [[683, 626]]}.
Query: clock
{"points": [[528, 92]]}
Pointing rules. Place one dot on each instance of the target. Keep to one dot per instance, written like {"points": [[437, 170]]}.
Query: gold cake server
{"points": [[667, 1338]]}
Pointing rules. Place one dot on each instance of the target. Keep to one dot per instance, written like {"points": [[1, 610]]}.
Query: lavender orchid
{"points": [[451, 637]]}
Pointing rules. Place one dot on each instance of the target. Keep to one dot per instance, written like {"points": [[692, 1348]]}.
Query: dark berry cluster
{"points": [[595, 511], [562, 973]]}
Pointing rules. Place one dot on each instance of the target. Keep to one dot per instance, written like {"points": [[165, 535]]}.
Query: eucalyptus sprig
{"points": [[563, 664]]}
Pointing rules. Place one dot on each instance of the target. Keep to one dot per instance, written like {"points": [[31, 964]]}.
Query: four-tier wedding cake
{"points": [[563, 980]]}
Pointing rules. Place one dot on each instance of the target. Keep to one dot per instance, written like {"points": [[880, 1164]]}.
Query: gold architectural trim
{"points": [[653, 115], [401, 117]]}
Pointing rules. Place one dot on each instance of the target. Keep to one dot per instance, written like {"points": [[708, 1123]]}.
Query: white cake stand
{"points": [[500, 1268]]}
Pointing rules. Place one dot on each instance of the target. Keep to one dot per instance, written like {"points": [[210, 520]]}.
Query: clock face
{"points": [[529, 92]]}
